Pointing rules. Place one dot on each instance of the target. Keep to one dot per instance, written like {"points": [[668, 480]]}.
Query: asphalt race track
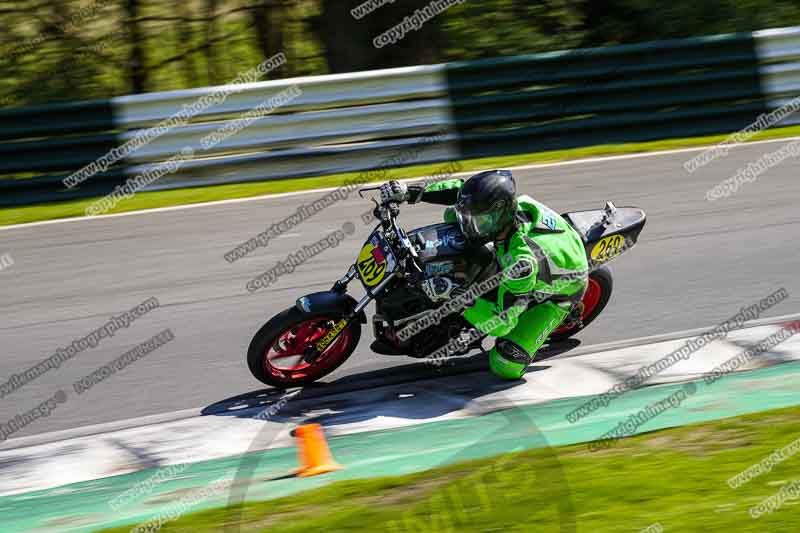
{"points": [[696, 264]]}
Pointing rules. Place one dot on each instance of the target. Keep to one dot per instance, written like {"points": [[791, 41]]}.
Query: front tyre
{"points": [[276, 353]]}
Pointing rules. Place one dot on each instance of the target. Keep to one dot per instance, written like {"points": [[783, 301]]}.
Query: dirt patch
{"points": [[404, 495], [408, 493], [701, 441]]}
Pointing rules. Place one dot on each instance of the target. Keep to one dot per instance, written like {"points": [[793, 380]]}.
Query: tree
{"points": [[270, 18], [348, 41], [137, 68]]}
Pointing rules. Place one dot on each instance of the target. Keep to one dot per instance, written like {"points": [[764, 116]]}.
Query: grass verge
{"points": [[150, 200], [676, 478]]}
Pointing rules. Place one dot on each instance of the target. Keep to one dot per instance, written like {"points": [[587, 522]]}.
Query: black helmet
{"points": [[486, 205]]}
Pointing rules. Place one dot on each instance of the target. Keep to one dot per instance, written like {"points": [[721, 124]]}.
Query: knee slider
{"points": [[512, 351]]}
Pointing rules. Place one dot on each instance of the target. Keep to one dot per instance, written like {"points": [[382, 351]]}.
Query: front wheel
{"points": [[276, 353], [595, 299]]}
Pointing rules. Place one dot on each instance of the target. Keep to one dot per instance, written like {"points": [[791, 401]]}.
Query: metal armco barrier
{"points": [[366, 120]]}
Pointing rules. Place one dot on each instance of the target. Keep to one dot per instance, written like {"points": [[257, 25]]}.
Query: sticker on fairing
{"points": [[434, 269], [328, 338]]}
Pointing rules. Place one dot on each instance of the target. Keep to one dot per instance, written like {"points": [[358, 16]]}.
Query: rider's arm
{"points": [[520, 266], [441, 192], [508, 302]]}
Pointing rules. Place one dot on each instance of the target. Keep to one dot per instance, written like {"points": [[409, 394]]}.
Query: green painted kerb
{"points": [[84, 506]]}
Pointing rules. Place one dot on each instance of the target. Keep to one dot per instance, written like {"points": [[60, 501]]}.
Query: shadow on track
{"points": [[407, 395], [459, 383]]}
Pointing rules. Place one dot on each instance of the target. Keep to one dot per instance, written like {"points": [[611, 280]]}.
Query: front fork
{"points": [[313, 352]]}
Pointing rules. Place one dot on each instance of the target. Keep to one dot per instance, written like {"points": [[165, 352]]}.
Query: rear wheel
{"points": [[598, 293], [277, 352]]}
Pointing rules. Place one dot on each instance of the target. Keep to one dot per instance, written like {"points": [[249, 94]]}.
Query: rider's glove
{"points": [[393, 191]]}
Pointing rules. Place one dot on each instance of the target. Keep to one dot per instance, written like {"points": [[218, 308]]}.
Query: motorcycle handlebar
{"points": [[367, 189], [387, 214]]}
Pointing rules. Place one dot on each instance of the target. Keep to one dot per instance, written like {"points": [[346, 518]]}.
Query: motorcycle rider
{"points": [[554, 273]]}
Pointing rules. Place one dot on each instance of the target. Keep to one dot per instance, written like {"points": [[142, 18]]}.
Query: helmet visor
{"points": [[481, 226]]}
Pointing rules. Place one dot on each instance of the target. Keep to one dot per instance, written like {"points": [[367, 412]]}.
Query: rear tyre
{"points": [[598, 293], [276, 353]]}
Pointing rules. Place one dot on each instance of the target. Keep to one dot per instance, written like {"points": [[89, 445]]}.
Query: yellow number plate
{"points": [[371, 265], [608, 247]]}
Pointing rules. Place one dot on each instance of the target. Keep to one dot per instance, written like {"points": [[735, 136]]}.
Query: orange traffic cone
{"points": [[312, 449]]}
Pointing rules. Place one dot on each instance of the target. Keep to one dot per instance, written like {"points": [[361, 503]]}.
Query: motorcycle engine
{"points": [[409, 303], [431, 339]]}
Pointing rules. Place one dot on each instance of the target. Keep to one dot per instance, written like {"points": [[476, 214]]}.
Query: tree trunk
{"points": [[613, 22], [348, 41], [209, 47], [57, 26], [269, 19], [137, 70], [188, 63]]}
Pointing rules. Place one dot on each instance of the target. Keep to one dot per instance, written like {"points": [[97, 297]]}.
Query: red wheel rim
{"points": [[591, 298], [284, 358]]}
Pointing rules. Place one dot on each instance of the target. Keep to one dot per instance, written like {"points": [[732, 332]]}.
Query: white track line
{"points": [[265, 197], [163, 418], [663, 337]]}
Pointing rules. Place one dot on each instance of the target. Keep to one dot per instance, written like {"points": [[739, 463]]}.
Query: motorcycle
{"points": [[315, 336]]}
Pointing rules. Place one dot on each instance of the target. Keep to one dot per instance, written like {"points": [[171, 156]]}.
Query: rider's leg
{"points": [[512, 353], [483, 316]]}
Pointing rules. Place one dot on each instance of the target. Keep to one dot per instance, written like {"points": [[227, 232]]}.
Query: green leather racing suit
{"points": [[553, 279]]}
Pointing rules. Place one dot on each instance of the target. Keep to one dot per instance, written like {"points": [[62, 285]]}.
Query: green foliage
{"points": [[84, 49], [627, 21], [493, 28]]}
